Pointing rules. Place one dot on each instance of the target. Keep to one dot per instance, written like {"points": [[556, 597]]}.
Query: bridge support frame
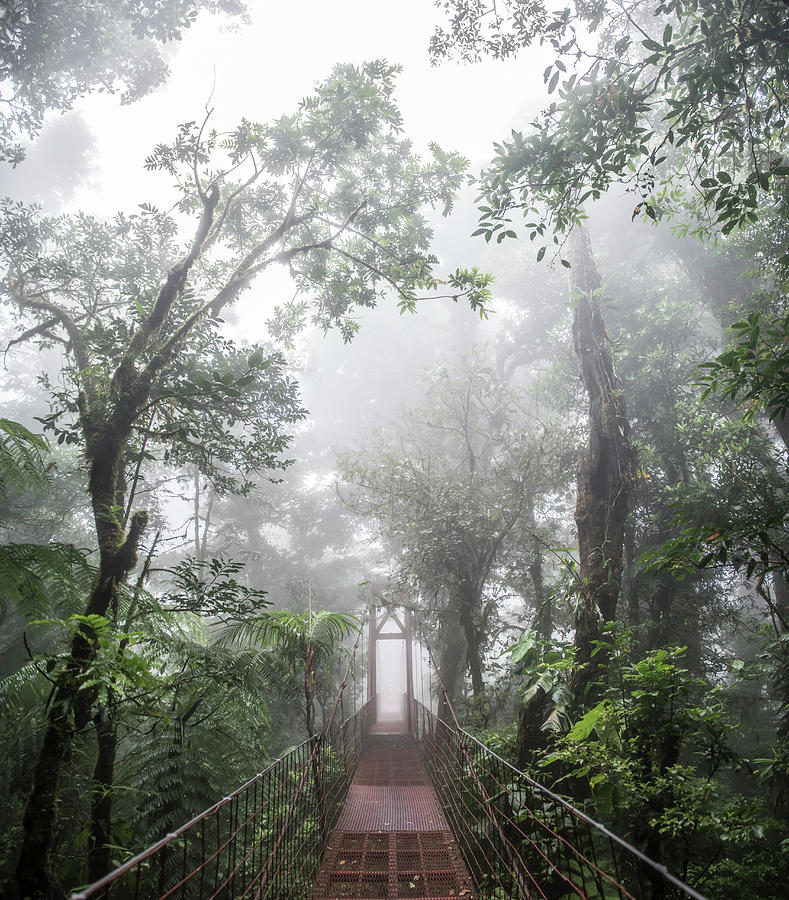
{"points": [[402, 633]]}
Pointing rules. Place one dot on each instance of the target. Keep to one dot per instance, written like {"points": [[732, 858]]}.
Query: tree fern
{"points": [[293, 633], [208, 738], [305, 642], [23, 696]]}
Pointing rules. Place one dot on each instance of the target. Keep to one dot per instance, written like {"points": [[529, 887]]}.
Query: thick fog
{"points": [[493, 341]]}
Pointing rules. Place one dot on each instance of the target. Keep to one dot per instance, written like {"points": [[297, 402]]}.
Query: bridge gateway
{"points": [[388, 621]]}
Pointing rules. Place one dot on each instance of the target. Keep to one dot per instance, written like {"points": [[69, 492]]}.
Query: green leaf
{"points": [[519, 649], [586, 725]]}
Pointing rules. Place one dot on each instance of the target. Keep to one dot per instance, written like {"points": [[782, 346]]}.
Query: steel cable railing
{"points": [[264, 841], [521, 841]]}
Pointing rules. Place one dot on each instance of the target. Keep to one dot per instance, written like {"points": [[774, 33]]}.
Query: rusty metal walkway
{"points": [[392, 839]]}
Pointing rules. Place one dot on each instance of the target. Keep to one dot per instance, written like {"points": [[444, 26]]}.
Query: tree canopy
{"points": [[684, 103]]}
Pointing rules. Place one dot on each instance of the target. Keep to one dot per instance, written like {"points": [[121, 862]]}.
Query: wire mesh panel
{"points": [[372, 864], [520, 840], [265, 841]]}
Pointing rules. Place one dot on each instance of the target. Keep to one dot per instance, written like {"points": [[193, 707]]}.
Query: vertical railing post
{"points": [[372, 665], [409, 673]]}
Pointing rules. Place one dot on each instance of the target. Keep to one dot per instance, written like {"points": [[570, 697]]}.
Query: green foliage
{"points": [[227, 409], [22, 458], [191, 716], [112, 675], [335, 175], [546, 669], [209, 588], [754, 369], [332, 192], [651, 754], [224, 407], [522, 647], [674, 98], [477, 28], [207, 725], [467, 282], [294, 634], [300, 647], [734, 513], [23, 696], [35, 579], [501, 741], [462, 474], [40, 579]]}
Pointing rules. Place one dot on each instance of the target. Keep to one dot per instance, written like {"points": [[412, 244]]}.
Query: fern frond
{"points": [[21, 457], [44, 579]]}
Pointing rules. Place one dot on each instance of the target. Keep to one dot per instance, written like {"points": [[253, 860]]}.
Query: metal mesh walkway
{"points": [[392, 839]]}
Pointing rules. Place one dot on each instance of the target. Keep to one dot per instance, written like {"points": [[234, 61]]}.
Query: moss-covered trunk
{"points": [[469, 612], [604, 475], [100, 839]]}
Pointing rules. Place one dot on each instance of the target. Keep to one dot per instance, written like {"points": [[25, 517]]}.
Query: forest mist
{"points": [[272, 355]]}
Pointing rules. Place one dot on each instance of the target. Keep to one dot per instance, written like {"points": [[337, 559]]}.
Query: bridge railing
{"points": [[521, 841], [264, 842]]}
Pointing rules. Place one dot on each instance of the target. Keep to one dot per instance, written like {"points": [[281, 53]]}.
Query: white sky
{"points": [[262, 70]]}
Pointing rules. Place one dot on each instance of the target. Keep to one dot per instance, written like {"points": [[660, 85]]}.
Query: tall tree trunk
{"points": [[34, 869], [452, 653], [544, 619], [531, 740], [99, 844], [107, 412], [604, 475], [468, 608], [99, 839]]}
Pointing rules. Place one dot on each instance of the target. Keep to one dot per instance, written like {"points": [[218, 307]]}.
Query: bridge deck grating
{"points": [[392, 839]]}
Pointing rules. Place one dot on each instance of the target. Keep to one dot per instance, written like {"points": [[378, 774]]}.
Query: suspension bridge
{"points": [[391, 801]]}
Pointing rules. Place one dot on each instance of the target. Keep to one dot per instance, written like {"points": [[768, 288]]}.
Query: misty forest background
{"points": [[542, 392]]}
